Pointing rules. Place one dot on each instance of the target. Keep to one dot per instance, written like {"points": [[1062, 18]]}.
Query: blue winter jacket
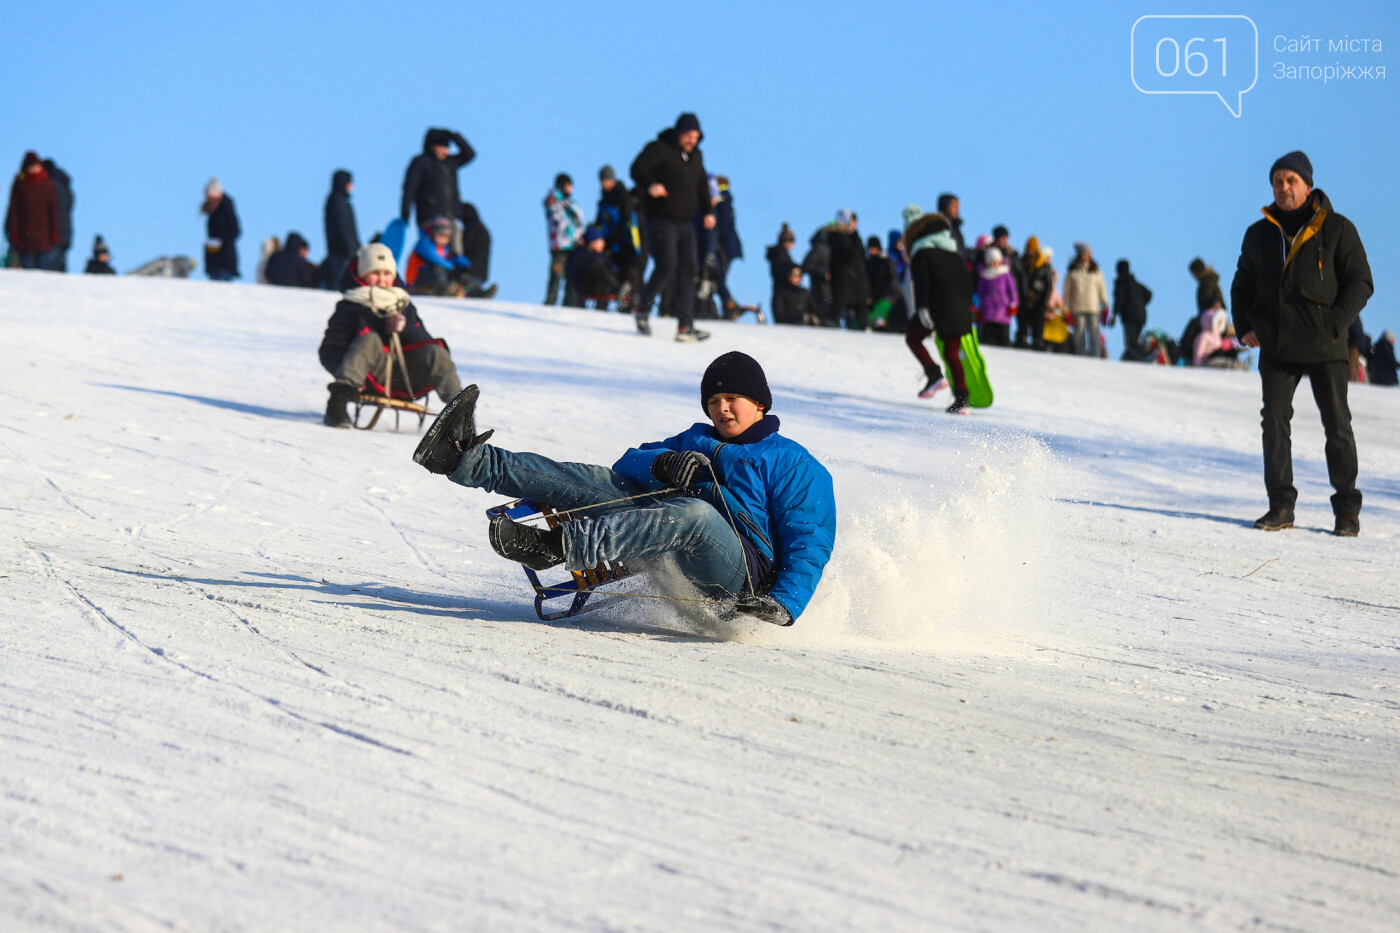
{"points": [[781, 498]]}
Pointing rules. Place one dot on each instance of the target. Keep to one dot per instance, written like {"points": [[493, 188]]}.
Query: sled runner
{"points": [[581, 584]]}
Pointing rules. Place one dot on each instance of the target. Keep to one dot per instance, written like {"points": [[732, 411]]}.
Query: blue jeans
{"points": [[706, 549]]}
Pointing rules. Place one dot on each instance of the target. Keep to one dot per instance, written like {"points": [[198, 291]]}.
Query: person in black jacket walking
{"points": [[342, 236], [221, 246], [671, 171], [1301, 280], [1130, 298], [430, 184], [943, 298]]}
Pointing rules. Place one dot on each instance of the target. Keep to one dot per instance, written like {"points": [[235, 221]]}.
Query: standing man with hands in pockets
{"points": [[1302, 279], [671, 171]]}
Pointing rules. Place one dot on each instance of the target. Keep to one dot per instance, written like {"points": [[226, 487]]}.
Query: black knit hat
{"points": [[687, 122], [561, 180], [1295, 161], [738, 374]]}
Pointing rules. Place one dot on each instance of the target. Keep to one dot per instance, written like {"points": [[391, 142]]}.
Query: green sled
{"points": [[979, 390]]}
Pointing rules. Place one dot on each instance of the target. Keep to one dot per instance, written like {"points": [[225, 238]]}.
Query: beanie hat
{"points": [[99, 245], [213, 189], [1080, 248], [375, 257], [786, 234], [1295, 161], [993, 256], [873, 243], [1000, 231], [606, 173], [592, 234], [844, 217], [983, 241], [687, 122], [738, 374], [911, 213], [1198, 265], [561, 180]]}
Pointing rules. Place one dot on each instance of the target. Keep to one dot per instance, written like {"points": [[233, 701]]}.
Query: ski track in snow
{"points": [[256, 674]]}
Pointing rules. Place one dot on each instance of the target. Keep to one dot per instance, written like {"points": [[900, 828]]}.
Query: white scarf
{"points": [[385, 302]]}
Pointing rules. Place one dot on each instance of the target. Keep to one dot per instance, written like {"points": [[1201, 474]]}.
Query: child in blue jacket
{"points": [[749, 515]]}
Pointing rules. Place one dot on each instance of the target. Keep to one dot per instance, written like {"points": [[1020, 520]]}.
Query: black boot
{"points": [[451, 435], [1276, 519], [342, 394], [959, 406], [536, 548]]}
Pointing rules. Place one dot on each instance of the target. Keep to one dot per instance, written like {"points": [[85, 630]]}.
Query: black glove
{"points": [[680, 468], [765, 608]]}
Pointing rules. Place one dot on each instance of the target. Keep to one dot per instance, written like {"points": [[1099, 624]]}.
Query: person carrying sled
{"points": [[1302, 279], [943, 297], [748, 515], [359, 341]]}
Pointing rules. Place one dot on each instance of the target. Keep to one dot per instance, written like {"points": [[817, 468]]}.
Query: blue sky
{"points": [[1029, 115]]}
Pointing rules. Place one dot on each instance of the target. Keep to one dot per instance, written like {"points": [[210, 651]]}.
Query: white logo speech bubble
{"points": [[1206, 54]]}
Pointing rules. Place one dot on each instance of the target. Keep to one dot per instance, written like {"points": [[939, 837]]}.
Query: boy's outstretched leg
{"points": [[536, 548], [451, 435]]}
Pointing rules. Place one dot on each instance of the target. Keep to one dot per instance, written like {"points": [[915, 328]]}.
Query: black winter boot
{"points": [[451, 435], [1276, 519], [342, 394], [536, 548]]}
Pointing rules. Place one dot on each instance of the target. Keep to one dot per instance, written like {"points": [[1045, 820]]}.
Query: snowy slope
{"points": [[257, 674]]}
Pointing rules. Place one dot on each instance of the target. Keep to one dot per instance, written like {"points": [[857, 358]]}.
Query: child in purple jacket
{"points": [[997, 299]]}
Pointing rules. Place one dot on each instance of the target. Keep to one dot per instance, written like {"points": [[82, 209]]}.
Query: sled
{"points": [[379, 396], [979, 389], [581, 585], [377, 403]]}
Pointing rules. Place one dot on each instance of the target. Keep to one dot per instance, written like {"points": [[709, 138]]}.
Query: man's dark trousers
{"points": [[1329, 388], [673, 250]]}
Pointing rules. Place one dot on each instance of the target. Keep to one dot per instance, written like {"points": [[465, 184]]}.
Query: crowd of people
{"points": [[679, 218]]}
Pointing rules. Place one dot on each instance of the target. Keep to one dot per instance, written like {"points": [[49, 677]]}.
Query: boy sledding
{"points": [[748, 515]]}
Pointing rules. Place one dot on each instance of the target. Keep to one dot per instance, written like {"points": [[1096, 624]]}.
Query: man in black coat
{"points": [[430, 184], [671, 171], [289, 266], [342, 236], [850, 288], [1302, 278], [222, 231], [1130, 298], [63, 210]]}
